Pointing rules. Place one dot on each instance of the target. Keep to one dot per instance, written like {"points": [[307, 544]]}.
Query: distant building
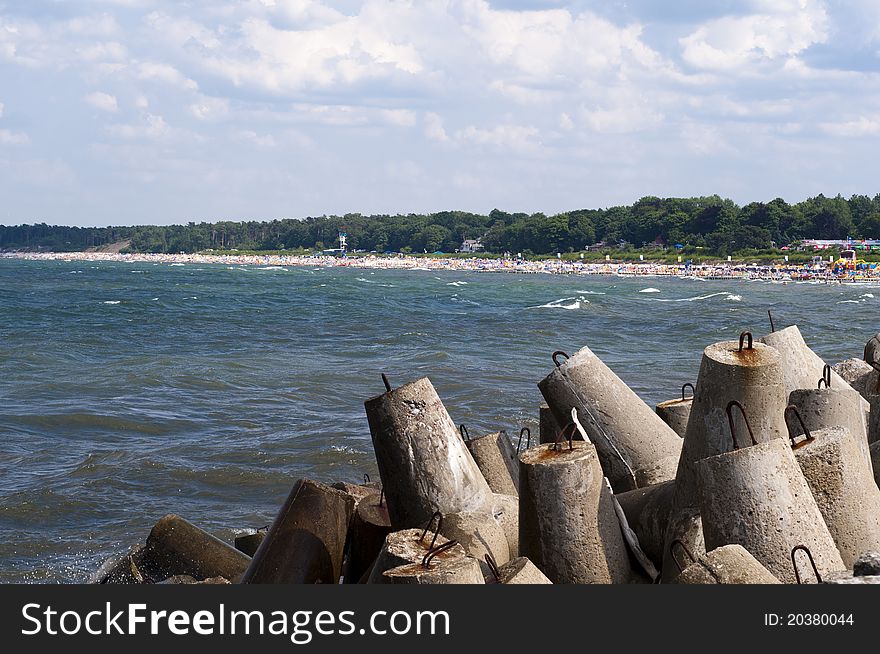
{"points": [[847, 244], [471, 245]]}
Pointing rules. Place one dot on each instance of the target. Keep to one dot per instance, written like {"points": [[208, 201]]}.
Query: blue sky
{"points": [[152, 111]]}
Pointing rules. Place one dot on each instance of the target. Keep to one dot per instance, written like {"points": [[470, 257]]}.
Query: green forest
{"points": [[717, 225]]}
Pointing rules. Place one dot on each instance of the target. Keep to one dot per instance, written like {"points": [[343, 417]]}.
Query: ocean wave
{"points": [[650, 290], [113, 302], [273, 268], [851, 302], [727, 296], [573, 303], [868, 295], [457, 284], [591, 292]]}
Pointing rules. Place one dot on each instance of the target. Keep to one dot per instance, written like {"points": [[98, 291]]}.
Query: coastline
{"points": [[724, 271]]}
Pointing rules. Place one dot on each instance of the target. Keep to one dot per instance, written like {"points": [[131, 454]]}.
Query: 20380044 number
{"points": [[819, 619]]}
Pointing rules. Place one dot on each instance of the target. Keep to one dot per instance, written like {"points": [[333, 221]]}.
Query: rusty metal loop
{"points": [[386, 382], [742, 337], [559, 353], [464, 433], [826, 375], [381, 495], [528, 432], [791, 408], [822, 381], [797, 574], [772, 326], [559, 437], [493, 567], [693, 391], [439, 517], [675, 560], [434, 551], [730, 405], [366, 477]]}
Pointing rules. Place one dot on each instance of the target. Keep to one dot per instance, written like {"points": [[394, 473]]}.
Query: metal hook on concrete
{"points": [[528, 433], [675, 560], [826, 377], [381, 495], [434, 551], [464, 433], [791, 408], [386, 382], [693, 391], [366, 478], [559, 353], [439, 517], [742, 337], [797, 573], [570, 427], [772, 326], [493, 567], [731, 404]]}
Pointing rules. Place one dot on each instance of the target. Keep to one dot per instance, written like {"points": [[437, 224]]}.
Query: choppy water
{"points": [[128, 391]]}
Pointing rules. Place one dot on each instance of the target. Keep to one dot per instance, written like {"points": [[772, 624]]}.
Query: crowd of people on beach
{"points": [[817, 271]]}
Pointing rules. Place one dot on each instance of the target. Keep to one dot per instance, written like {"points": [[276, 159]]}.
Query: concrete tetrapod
{"points": [[820, 408], [406, 550], [675, 413], [647, 512], [422, 459], [567, 523], [801, 367], [517, 571], [729, 564], [306, 542], [495, 456], [370, 526], [178, 547], [547, 425], [749, 373], [843, 486], [860, 375], [757, 497], [250, 543], [875, 461], [479, 533], [635, 447]]}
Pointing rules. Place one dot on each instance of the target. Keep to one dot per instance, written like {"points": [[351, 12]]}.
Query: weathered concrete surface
{"points": [[422, 459], [408, 547], [675, 413], [875, 461], [177, 547], [451, 570], [126, 569], [754, 379], [801, 367], [479, 533], [730, 564], [521, 571], [859, 375], [636, 448], [842, 485], [647, 512], [866, 570], [505, 510], [305, 544], [548, 426], [757, 497], [567, 523], [830, 407], [250, 543], [358, 491], [369, 527], [872, 350], [873, 418], [496, 458]]}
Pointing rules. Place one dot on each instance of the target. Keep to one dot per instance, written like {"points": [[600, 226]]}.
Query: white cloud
{"points": [[208, 108], [862, 126], [434, 129], [102, 101], [261, 140], [152, 127], [8, 137], [161, 72], [506, 137], [1, 109]]}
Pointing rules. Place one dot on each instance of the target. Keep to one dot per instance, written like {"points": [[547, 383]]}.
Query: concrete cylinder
{"points": [[422, 459], [752, 377], [369, 528], [843, 486], [505, 510], [479, 533], [730, 564], [820, 408], [801, 367], [860, 375], [178, 547], [452, 570], [757, 497], [636, 448], [873, 418], [548, 426], [567, 523], [675, 413], [521, 571], [305, 544], [647, 512], [407, 547], [250, 543], [496, 458]]}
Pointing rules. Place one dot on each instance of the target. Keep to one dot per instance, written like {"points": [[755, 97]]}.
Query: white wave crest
{"points": [[650, 290]]}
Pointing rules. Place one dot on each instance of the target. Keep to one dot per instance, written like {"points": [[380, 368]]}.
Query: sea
{"points": [[132, 390]]}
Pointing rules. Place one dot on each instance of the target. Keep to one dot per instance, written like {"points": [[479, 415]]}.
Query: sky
{"points": [[116, 112]]}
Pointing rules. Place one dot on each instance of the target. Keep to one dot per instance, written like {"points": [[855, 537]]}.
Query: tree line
{"points": [[716, 224]]}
